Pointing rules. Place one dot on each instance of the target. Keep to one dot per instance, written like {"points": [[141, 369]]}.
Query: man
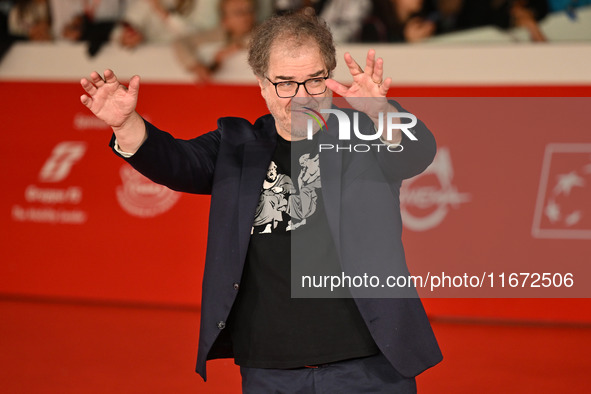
{"points": [[285, 344]]}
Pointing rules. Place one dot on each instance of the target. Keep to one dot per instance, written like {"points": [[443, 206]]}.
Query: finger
{"points": [[87, 101], [370, 61], [110, 76], [378, 71], [354, 68], [88, 86], [385, 86], [337, 87], [134, 85], [96, 79]]}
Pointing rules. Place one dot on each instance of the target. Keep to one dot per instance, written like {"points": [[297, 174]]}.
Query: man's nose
{"points": [[302, 92]]}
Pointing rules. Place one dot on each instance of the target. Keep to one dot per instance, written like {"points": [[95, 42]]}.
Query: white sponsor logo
{"points": [[70, 195], [83, 122], [562, 206], [48, 215], [424, 205], [141, 197], [63, 157], [54, 205]]}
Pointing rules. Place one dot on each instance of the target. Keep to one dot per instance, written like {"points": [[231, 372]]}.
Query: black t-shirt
{"points": [[269, 328]]}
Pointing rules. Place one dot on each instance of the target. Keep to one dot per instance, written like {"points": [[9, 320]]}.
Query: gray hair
{"points": [[296, 29]]}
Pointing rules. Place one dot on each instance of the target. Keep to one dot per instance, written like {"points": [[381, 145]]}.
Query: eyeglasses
{"points": [[288, 89]]}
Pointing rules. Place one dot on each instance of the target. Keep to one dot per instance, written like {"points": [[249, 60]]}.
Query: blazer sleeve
{"points": [[181, 165], [415, 156]]}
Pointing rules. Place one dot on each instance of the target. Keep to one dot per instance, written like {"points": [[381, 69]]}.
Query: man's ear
{"points": [[261, 81]]}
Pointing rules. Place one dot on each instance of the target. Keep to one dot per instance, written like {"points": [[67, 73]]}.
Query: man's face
{"points": [[288, 62]]}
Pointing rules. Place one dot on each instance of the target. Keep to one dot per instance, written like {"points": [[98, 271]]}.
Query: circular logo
{"points": [[141, 197], [425, 200]]}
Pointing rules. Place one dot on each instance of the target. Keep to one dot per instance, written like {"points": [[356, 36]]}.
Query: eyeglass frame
{"points": [[298, 87]]}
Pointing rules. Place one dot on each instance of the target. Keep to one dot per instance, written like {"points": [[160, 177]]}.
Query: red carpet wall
{"points": [[78, 223]]}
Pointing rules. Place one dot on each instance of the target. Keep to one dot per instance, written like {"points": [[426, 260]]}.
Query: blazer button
{"points": [[221, 325], [236, 286]]}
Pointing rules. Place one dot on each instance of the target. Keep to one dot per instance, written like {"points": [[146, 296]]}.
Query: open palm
{"points": [[110, 100], [368, 91]]}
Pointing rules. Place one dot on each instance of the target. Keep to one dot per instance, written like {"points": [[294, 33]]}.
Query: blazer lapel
{"points": [[331, 163]]}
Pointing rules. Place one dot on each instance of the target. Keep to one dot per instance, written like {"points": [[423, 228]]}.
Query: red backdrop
{"points": [[78, 223]]}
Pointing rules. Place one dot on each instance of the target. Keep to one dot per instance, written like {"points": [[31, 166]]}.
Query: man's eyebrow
{"points": [[317, 73], [291, 78]]}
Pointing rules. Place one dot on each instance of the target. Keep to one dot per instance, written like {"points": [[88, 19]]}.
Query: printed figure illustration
{"points": [[273, 201], [282, 206]]}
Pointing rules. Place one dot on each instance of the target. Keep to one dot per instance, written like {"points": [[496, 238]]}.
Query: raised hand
{"points": [[367, 82], [108, 99], [368, 91], [115, 104]]}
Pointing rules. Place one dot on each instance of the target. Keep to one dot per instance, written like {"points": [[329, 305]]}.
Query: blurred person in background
{"points": [[396, 21], [567, 5], [86, 20], [72, 17], [344, 17], [163, 21], [237, 22], [6, 39], [456, 15], [30, 20], [417, 20], [281, 7], [526, 14], [284, 6]]}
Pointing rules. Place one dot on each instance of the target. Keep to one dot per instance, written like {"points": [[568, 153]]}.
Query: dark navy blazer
{"points": [[361, 194]]}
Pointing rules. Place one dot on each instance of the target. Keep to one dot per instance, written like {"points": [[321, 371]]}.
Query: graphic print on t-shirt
{"points": [[284, 206]]}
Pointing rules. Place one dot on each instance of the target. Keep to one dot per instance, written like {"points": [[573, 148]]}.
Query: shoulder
{"points": [[242, 130]]}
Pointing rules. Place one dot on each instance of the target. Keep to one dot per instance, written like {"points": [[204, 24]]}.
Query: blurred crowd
{"points": [[189, 25]]}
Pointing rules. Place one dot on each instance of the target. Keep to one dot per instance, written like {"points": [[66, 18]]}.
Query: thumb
{"points": [[134, 85]]}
